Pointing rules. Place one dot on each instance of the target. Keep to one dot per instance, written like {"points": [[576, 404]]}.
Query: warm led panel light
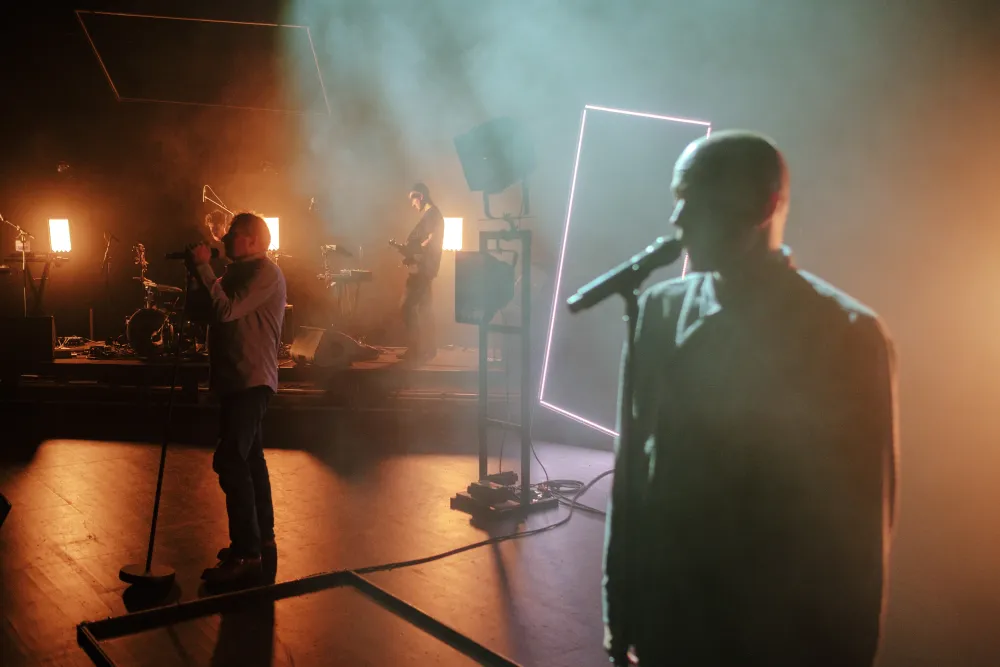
{"points": [[272, 226], [59, 239], [452, 234]]}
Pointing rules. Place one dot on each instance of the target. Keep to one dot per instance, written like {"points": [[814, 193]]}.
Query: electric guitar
{"points": [[412, 254]]}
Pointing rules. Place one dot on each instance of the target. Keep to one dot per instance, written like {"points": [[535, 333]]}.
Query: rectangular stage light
{"points": [[453, 233], [605, 254], [59, 239], [273, 226]]}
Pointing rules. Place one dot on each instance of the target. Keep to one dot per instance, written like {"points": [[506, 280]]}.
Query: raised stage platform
{"points": [[453, 372]]}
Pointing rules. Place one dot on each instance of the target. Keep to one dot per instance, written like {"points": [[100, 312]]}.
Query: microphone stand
{"points": [[626, 280], [22, 237], [106, 269], [156, 580]]}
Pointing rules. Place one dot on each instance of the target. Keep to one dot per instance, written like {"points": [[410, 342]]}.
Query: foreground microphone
{"points": [[628, 275], [182, 255]]}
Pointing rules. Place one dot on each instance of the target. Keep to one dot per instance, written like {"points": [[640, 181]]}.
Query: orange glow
{"points": [[452, 234], [59, 238], [272, 226]]}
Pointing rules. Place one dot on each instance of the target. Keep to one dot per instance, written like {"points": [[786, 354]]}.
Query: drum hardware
{"points": [[157, 327]]}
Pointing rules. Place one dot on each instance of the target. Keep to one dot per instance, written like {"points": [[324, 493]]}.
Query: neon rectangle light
{"points": [[607, 429]]}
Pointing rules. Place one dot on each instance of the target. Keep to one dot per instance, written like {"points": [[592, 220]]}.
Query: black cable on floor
{"points": [[562, 488], [493, 540]]}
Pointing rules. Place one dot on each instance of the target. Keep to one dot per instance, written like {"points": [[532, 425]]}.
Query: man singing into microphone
{"points": [[245, 309], [753, 500]]}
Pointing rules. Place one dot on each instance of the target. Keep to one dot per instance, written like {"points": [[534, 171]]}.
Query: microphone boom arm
{"points": [[626, 278], [214, 198]]}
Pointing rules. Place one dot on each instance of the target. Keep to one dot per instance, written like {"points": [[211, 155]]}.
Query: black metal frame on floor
{"points": [[90, 634]]}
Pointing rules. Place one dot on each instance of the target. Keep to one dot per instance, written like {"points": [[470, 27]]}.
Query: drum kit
{"points": [[161, 325]]}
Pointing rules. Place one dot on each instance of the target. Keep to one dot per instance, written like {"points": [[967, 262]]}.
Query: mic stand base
{"points": [[157, 576]]}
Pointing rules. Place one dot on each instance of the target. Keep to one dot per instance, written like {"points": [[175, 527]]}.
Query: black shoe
{"points": [[234, 570], [266, 546]]}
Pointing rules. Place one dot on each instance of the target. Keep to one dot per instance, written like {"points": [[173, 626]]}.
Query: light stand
{"points": [[484, 498]]}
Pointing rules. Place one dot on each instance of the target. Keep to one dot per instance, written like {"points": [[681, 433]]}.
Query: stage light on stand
{"points": [[452, 234], [59, 238], [272, 226]]}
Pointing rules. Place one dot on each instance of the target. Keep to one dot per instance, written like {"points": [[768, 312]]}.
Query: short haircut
{"points": [[422, 190], [252, 224], [747, 163]]}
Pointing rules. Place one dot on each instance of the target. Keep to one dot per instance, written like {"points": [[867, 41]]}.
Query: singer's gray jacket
{"points": [[753, 496], [245, 309]]}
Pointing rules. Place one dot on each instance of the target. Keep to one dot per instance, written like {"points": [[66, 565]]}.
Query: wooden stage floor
{"points": [[81, 510]]}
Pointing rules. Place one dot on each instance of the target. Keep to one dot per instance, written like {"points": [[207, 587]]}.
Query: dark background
{"points": [[887, 111]]}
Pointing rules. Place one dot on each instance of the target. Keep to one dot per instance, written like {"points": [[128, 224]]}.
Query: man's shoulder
{"points": [[666, 293], [837, 299], [847, 311]]}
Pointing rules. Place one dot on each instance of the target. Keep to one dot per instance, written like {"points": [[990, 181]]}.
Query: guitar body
{"points": [[411, 254]]}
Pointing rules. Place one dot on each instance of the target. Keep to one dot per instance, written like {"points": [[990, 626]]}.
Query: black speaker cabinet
{"points": [[27, 339], [483, 285], [328, 349], [495, 155]]}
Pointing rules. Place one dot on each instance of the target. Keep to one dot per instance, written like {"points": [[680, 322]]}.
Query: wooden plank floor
{"points": [[355, 495], [81, 510]]}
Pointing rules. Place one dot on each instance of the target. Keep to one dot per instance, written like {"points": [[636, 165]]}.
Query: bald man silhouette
{"points": [[751, 512]]}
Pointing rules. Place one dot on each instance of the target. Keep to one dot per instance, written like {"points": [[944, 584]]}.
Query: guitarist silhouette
{"points": [[422, 256]]}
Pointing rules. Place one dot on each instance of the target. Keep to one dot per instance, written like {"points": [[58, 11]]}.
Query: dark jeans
{"points": [[239, 461], [417, 314]]}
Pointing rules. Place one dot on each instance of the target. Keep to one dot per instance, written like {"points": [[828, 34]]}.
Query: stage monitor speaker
{"points": [[27, 339], [483, 286], [288, 325], [495, 155], [328, 349]]}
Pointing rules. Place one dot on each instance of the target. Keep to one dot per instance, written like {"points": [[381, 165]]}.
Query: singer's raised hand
{"points": [[199, 253]]}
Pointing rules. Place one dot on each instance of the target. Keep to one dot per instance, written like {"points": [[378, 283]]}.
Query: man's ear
{"points": [[771, 205]]}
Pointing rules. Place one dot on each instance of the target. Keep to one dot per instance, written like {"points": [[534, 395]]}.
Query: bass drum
{"points": [[147, 330]]}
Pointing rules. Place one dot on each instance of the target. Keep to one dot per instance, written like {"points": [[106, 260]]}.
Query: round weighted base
{"points": [[157, 575]]}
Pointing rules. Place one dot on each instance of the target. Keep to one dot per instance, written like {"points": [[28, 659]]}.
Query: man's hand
{"points": [[198, 253]]}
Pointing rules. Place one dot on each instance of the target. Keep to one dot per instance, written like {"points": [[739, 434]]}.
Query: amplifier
{"points": [[27, 339]]}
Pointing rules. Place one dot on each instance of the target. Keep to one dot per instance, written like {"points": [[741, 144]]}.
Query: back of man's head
{"points": [[742, 166]]}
